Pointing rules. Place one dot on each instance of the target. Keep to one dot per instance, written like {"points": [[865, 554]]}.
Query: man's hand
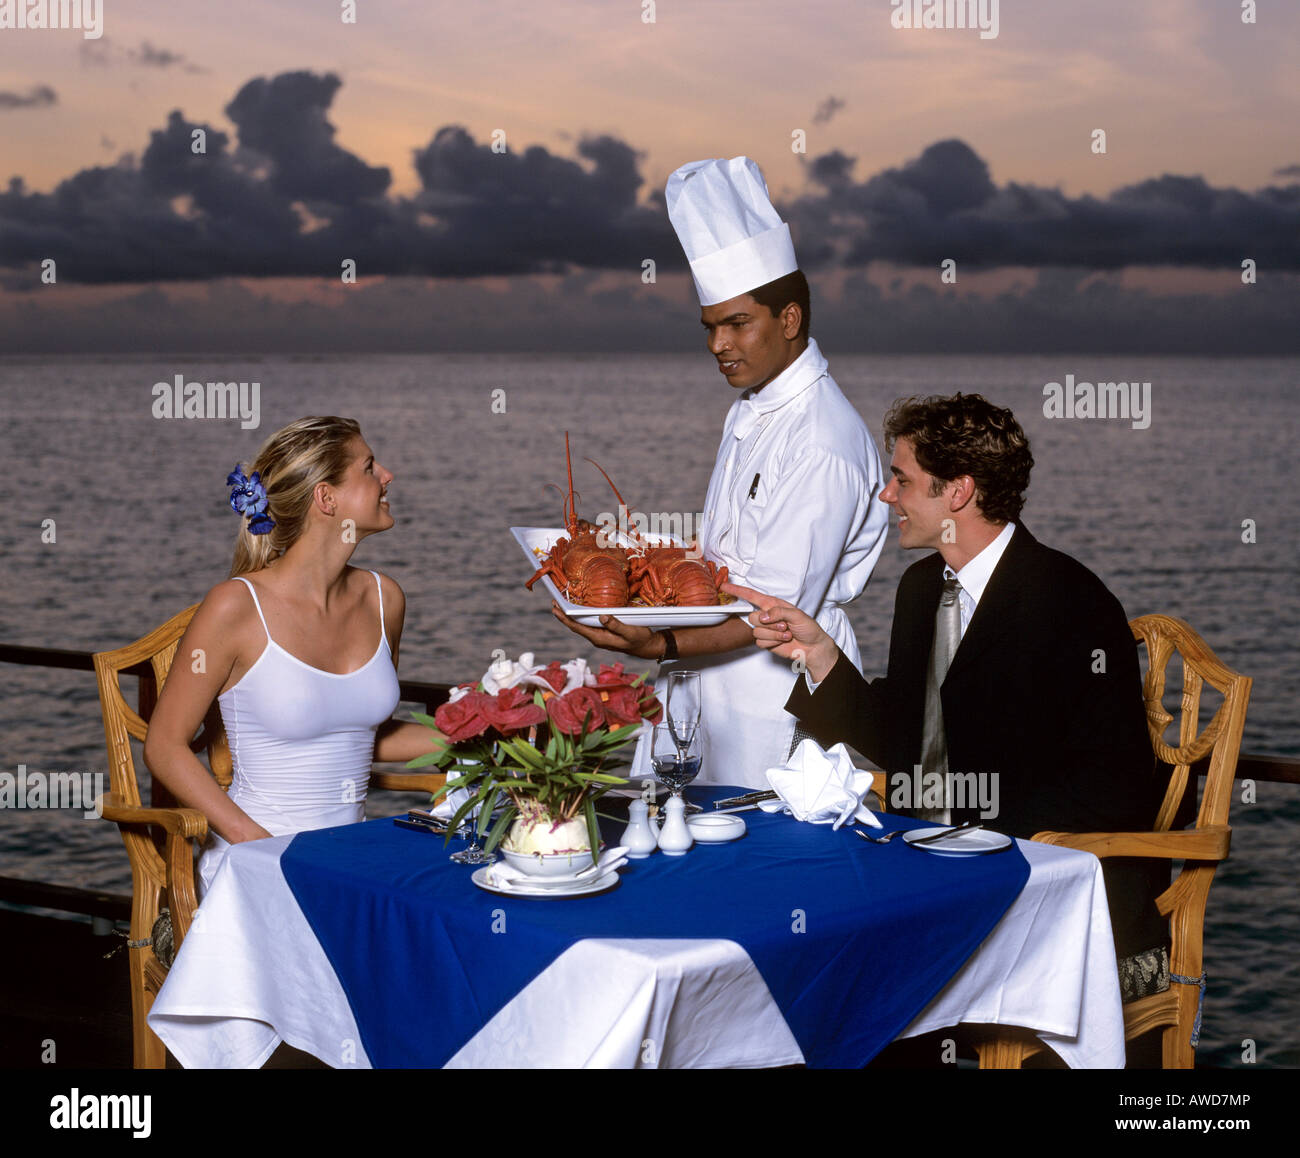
{"points": [[784, 630], [614, 635]]}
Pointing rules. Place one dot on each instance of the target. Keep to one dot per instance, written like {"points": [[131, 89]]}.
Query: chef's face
{"points": [[921, 513], [752, 347]]}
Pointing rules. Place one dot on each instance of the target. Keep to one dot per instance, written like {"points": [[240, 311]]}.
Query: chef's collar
{"points": [[789, 384]]}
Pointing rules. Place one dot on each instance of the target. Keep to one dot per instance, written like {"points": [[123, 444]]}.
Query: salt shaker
{"points": [[639, 838], [675, 838]]}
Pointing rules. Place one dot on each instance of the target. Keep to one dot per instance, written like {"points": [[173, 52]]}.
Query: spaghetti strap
{"points": [[252, 591], [383, 631]]}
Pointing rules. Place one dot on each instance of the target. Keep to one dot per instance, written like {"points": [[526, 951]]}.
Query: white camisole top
{"points": [[302, 739]]}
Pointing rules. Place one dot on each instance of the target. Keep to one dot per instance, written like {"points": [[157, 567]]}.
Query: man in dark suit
{"points": [[1037, 683]]}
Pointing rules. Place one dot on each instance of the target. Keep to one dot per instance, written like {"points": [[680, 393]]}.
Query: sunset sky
{"points": [[372, 141]]}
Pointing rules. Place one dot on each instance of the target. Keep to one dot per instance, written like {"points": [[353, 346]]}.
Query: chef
{"points": [[792, 503]]}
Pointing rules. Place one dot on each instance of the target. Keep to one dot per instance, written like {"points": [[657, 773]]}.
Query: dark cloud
{"points": [[283, 120], [280, 197], [1288, 171], [533, 211], [827, 109], [152, 57], [944, 204], [103, 53], [37, 97], [284, 199]]}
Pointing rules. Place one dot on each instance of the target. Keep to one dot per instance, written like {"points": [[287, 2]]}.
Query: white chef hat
{"points": [[733, 238]]}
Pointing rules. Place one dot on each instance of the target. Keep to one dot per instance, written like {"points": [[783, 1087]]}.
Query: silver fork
{"points": [[964, 826]]}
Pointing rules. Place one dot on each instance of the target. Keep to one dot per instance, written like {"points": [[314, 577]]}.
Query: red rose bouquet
{"points": [[540, 736]]}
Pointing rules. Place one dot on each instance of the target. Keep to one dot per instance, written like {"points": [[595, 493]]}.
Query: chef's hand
{"points": [[784, 630], [615, 635]]}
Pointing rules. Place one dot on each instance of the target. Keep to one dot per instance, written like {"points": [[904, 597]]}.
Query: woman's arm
{"points": [[204, 660], [395, 741]]}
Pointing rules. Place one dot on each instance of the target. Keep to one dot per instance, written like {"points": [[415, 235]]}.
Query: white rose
{"points": [[577, 675], [505, 673]]}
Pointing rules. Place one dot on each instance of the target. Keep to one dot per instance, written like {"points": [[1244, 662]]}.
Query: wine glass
{"points": [[475, 854], [675, 762]]}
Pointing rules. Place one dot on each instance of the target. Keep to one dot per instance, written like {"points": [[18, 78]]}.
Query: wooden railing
{"points": [[13, 890]]}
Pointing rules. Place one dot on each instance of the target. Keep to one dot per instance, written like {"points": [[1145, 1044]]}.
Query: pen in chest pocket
{"points": [[753, 487]]}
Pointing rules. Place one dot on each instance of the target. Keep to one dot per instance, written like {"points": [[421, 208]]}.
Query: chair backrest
{"points": [[1221, 737], [161, 854], [121, 722]]}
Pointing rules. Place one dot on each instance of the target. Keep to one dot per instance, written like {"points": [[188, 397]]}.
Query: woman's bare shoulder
{"points": [[227, 611]]}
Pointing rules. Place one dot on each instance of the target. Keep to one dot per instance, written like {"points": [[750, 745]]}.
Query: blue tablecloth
{"points": [[852, 939]]}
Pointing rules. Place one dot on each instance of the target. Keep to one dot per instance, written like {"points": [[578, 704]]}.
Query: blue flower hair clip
{"points": [[248, 498]]}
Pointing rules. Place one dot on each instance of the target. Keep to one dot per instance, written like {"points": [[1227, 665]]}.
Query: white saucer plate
{"points": [[587, 886], [972, 843]]}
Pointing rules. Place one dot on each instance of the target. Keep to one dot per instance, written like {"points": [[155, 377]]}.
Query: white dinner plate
{"points": [[971, 843], [535, 539], [600, 883]]}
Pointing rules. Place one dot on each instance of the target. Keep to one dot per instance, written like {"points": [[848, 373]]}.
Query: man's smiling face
{"points": [[921, 513]]}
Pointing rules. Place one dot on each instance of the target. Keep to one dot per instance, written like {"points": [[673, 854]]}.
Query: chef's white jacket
{"points": [[793, 510]]}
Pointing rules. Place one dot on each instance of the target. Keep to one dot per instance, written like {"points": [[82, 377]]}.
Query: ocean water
{"points": [[137, 512]]}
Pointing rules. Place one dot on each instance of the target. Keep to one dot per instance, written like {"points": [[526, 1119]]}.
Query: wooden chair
{"points": [[161, 840], [1200, 848]]}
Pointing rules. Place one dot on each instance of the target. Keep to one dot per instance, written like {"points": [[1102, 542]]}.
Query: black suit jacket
{"points": [[1044, 690]]}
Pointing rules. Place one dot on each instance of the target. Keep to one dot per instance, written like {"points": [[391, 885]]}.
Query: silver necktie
{"points": [[934, 742]]}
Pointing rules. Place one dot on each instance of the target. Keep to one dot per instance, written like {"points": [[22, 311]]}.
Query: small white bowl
{"points": [[709, 828], [554, 864]]}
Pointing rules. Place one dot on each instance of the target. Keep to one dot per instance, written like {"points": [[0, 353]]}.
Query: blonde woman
{"points": [[298, 647]]}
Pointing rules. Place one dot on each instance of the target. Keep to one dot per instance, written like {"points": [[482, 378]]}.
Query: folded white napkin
{"points": [[612, 858], [451, 804], [821, 787]]}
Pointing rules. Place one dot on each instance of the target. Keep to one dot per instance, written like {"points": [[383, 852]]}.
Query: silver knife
{"points": [[747, 799], [946, 833]]}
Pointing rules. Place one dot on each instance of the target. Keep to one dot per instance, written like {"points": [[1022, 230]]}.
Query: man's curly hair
{"points": [[967, 434]]}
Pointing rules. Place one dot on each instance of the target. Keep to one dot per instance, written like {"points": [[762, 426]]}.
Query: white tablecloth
{"points": [[251, 974]]}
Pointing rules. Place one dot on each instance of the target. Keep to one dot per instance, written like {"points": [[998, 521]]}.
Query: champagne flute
{"points": [[684, 705]]}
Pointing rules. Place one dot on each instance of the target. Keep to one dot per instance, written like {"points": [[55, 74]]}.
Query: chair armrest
{"points": [[187, 822], [408, 781], [1209, 843]]}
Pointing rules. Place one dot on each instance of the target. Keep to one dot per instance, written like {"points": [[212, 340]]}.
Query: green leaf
{"points": [[421, 718], [600, 778], [425, 760], [499, 829], [525, 753], [461, 813], [485, 813], [593, 828]]}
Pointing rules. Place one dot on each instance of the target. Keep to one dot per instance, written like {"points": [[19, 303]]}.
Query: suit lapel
{"points": [[995, 614]]}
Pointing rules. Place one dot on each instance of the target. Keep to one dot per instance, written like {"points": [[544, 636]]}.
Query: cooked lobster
{"points": [[594, 574], [666, 576]]}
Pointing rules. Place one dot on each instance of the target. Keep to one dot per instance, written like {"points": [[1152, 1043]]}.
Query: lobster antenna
{"points": [[571, 509], [621, 501]]}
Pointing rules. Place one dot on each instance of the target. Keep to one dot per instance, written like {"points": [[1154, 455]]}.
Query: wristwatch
{"points": [[670, 645]]}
